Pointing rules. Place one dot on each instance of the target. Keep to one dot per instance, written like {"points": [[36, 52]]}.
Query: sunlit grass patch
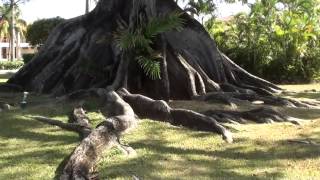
{"points": [[29, 149], [301, 87], [5, 77], [303, 91], [259, 151], [32, 150]]}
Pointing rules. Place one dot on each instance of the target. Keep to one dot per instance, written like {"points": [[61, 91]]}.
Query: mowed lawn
{"points": [[4, 78], [32, 150]]}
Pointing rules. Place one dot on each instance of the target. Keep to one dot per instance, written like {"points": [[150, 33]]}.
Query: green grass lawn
{"points": [[32, 150], [4, 77], [303, 91], [2, 80], [301, 87]]}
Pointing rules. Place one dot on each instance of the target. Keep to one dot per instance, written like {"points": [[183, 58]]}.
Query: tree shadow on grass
{"points": [[220, 167], [308, 95], [160, 158], [15, 126], [160, 154], [30, 148], [302, 113]]}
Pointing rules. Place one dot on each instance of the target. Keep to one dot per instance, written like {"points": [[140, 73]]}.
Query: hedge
{"points": [[10, 65]]}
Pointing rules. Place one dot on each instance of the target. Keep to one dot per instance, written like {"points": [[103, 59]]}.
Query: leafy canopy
{"points": [[6, 14], [277, 40], [38, 31]]}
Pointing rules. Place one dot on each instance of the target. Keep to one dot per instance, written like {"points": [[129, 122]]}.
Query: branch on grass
{"points": [[82, 162], [241, 98], [258, 115], [307, 142], [159, 110], [80, 129]]}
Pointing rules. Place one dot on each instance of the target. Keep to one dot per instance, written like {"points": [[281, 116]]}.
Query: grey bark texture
{"points": [[81, 53]]}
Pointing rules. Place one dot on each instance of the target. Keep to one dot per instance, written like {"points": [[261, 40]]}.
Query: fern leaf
{"points": [[158, 25], [150, 66]]}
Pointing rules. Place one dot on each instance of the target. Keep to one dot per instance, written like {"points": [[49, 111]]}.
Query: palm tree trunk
{"points": [[1, 55], [87, 6], [18, 46], [12, 31]]}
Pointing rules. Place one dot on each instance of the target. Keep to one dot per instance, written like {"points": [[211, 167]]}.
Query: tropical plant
{"points": [[10, 12], [201, 8], [140, 41], [278, 40]]}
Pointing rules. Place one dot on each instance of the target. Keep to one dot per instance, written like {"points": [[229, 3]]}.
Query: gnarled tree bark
{"points": [[81, 53]]}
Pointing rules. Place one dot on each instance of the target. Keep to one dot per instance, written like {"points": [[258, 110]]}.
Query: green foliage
{"points": [[202, 6], [127, 40], [203, 9], [158, 25], [27, 57], [38, 32], [278, 40], [6, 14], [150, 65], [10, 65], [139, 41]]}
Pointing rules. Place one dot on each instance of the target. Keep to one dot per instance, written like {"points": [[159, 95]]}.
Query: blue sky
{"points": [[37, 9]]}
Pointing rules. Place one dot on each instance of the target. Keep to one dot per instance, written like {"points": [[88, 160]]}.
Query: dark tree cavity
{"points": [[81, 59]]}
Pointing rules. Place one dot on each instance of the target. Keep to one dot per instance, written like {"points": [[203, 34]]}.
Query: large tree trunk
{"points": [[81, 53]]}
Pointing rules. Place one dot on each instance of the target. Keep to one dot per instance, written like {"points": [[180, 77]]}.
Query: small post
{"points": [[23, 103]]}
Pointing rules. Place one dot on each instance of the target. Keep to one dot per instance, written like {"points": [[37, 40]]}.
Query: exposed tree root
{"points": [[4, 106], [82, 162], [252, 80], [106, 135], [159, 110], [123, 107], [234, 98], [195, 81], [80, 129], [259, 115]]}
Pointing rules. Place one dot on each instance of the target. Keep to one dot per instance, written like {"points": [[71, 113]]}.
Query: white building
{"points": [[20, 49]]}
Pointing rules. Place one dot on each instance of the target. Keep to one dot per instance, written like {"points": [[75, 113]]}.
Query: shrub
{"points": [[38, 32], [10, 65], [278, 44], [27, 57]]}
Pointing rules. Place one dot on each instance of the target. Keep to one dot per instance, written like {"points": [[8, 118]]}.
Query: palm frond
{"points": [[150, 66], [139, 41], [4, 29], [124, 39], [127, 40], [157, 25]]}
